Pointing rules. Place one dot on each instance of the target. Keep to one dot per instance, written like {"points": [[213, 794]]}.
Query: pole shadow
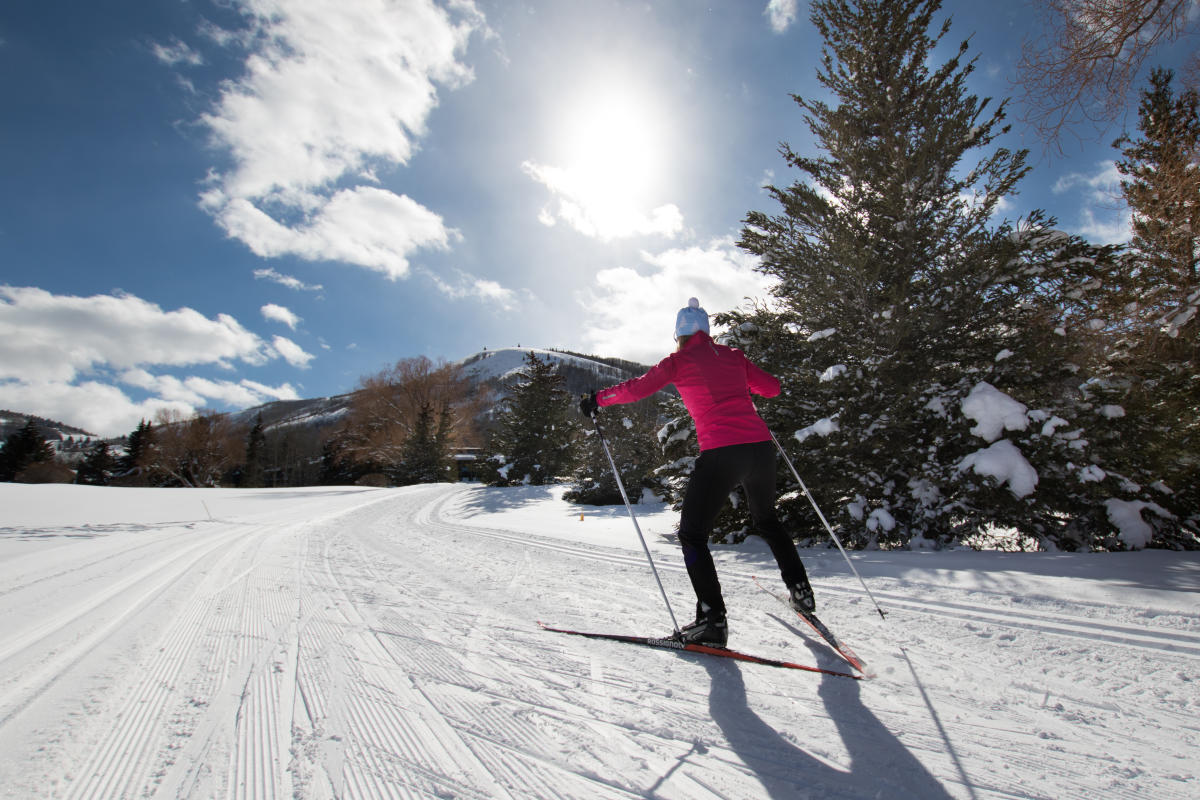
{"points": [[880, 765]]}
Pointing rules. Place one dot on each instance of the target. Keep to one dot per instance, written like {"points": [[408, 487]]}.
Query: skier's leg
{"points": [[759, 485], [706, 493]]}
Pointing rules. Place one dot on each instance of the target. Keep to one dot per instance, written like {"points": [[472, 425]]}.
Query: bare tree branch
{"points": [[1082, 69]]}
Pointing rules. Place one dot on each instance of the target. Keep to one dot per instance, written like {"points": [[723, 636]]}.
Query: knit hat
{"points": [[691, 319]]}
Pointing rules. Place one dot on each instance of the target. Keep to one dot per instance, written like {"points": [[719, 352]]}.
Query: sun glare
{"points": [[611, 152]]}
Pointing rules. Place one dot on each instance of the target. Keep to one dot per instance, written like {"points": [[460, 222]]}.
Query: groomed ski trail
{"points": [[377, 644]]}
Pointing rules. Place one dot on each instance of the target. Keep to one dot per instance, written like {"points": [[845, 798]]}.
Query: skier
{"points": [[736, 449]]}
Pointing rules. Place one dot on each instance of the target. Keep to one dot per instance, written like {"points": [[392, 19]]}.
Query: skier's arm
{"points": [[636, 388], [760, 381]]}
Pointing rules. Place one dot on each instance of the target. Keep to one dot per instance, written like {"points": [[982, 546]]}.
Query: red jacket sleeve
{"points": [[760, 381], [635, 389]]}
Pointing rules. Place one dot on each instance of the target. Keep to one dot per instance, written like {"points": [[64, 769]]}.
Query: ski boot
{"points": [[709, 629], [800, 595]]}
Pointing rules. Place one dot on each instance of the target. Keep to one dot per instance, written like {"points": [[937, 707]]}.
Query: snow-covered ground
{"points": [[339, 642]]}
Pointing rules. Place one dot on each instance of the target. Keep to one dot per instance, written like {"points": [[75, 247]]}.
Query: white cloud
{"points": [[1106, 227], [280, 314], [177, 53], [291, 352], [331, 90], [781, 13], [55, 337], [284, 391], [369, 227], [598, 210], [286, 280], [98, 408], [55, 351], [467, 285], [192, 392], [631, 312], [1104, 217], [1104, 184], [106, 410]]}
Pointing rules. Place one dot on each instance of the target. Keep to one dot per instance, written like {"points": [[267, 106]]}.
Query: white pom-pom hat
{"points": [[690, 319]]}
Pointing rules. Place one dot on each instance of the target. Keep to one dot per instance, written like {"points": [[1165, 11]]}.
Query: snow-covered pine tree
{"points": [[1148, 376], [912, 325], [677, 442], [532, 438], [631, 434]]}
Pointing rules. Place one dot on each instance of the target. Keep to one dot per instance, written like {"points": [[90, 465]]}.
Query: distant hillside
{"points": [[493, 368], [315, 413], [53, 431], [582, 373]]}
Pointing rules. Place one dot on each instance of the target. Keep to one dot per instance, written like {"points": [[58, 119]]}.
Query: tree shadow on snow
{"points": [[880, 765], [507, 498]]}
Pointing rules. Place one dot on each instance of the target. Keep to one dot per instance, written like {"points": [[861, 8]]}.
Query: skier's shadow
{"points": [[880, 766]]}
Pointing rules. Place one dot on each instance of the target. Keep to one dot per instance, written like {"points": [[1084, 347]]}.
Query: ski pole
{"points": [[825, 522], [636, 527]]}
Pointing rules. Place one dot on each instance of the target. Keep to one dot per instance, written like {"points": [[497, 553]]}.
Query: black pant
{"points": [[718, 472]]}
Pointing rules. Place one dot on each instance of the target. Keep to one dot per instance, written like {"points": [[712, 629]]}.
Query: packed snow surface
{"points": [[346, 643]]}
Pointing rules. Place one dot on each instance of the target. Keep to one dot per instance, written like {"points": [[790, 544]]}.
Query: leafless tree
{"points": [[1083, 67], [386, 407], [197, 451]]}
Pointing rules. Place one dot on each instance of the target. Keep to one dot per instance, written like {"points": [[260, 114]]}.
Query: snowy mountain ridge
{"points": [[491, 367]]}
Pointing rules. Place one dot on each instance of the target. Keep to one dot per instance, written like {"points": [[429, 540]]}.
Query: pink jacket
{"points": [[715, 383]]}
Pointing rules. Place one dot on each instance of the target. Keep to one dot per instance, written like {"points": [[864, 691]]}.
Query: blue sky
{"points": [[213, 204]]}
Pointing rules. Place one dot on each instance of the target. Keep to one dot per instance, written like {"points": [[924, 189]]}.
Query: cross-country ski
{"points": [[823, 631], [670, 643]]}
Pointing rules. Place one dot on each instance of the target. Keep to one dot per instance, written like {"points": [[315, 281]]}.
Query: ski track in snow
{"points": [[381, 645]]}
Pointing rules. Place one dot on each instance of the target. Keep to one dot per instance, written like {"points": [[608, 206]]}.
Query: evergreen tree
{"points": [[133, 468], [425, 458], [906, 316], [22, 449], [1148, 375], [97, 467], [630, 431], [1162, 187], [531, 440], [337, 469], [252, 473]]}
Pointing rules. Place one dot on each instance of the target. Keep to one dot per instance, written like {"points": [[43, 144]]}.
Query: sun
{"points": [[611, 155]]}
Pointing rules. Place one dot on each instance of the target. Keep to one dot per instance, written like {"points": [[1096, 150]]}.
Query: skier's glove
{"points": [[588, 405]]}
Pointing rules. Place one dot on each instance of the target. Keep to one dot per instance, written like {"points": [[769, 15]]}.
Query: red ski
{"points": [[673, 644], [822, 631]]}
